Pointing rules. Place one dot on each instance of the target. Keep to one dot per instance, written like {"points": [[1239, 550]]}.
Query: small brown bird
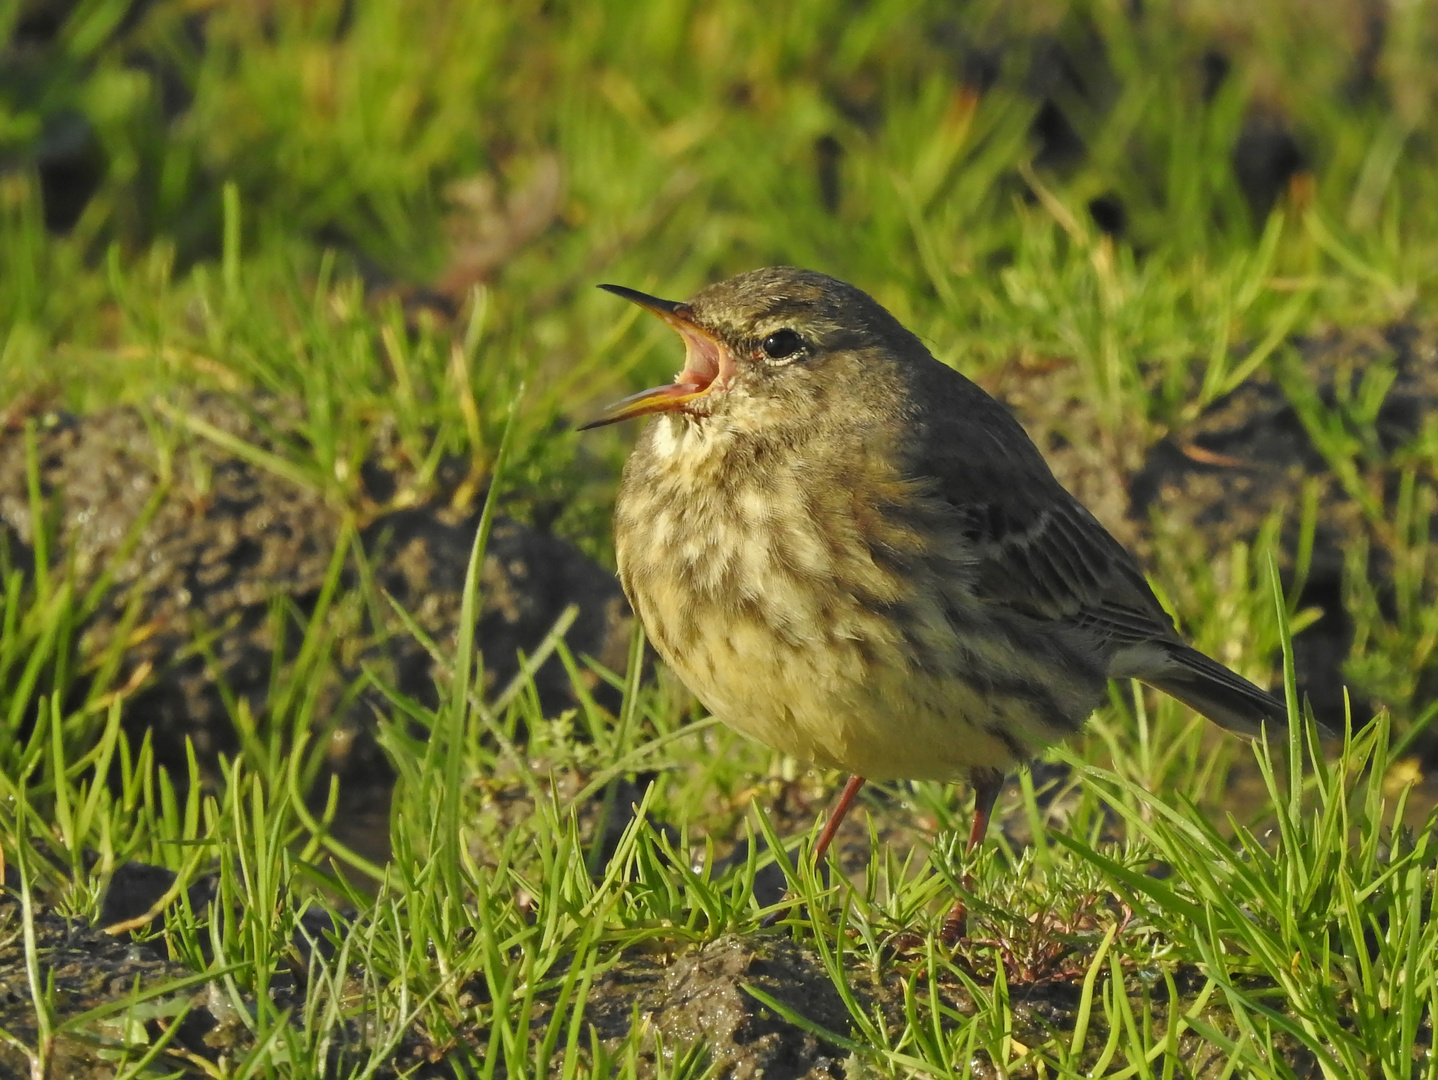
{"points": [[851, 553]]}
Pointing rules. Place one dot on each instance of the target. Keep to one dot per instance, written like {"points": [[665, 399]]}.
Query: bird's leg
{"points": [[987, 783], [831, 827], [836, 818]]}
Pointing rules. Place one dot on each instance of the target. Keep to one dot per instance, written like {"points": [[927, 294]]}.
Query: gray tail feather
{"points": [[1209, 688]]}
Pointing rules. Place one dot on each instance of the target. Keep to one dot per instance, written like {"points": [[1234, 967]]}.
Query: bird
{"points": [[853, 554]]}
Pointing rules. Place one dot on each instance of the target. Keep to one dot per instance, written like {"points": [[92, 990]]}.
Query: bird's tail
{"points": [[1209, 688]]}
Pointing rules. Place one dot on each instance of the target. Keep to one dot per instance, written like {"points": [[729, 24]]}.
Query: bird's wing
{"points": [[1054, 562], [1038, 551]]}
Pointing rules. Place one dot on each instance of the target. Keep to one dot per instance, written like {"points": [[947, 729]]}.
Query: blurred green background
{"points": [[535, 148]]}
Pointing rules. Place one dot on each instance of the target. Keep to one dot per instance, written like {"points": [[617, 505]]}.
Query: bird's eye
{"points": [[782, 344]]}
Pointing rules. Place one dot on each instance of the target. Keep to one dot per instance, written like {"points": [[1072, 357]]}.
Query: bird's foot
{"points": [[788, 905], [903, 945], [955, 926]]}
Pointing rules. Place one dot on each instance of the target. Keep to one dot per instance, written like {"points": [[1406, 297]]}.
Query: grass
{"points": [[389, 216]]}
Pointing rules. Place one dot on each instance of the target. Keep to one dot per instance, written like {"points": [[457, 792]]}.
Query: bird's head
{"points": [[769, 343]]}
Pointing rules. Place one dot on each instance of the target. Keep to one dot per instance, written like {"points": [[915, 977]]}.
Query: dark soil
{"points": [[702, 998], [91, 969], [208, 567], [84, 968], [696, 1000], [1250, 455], [198, 544]]}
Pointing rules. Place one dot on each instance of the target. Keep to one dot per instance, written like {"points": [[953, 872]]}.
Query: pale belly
{"points": [[844, 705], [768, 601], [815, 671]]}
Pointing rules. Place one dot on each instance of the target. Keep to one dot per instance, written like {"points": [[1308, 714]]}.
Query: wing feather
{"points": [[1039, 554], [1037, 551]]}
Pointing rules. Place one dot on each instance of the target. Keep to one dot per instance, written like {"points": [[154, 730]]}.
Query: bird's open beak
{"points": [[707, 363]]}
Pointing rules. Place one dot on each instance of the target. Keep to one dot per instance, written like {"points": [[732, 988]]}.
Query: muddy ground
{"points": [[190, 546], [187, 548], [199, 545]]}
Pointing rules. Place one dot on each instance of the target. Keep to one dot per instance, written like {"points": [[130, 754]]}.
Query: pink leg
{"points": [[987, 784], [836, 818], [841, 807]]}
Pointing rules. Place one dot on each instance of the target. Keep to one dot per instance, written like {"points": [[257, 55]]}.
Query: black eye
{"points": [[781, 344]]}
